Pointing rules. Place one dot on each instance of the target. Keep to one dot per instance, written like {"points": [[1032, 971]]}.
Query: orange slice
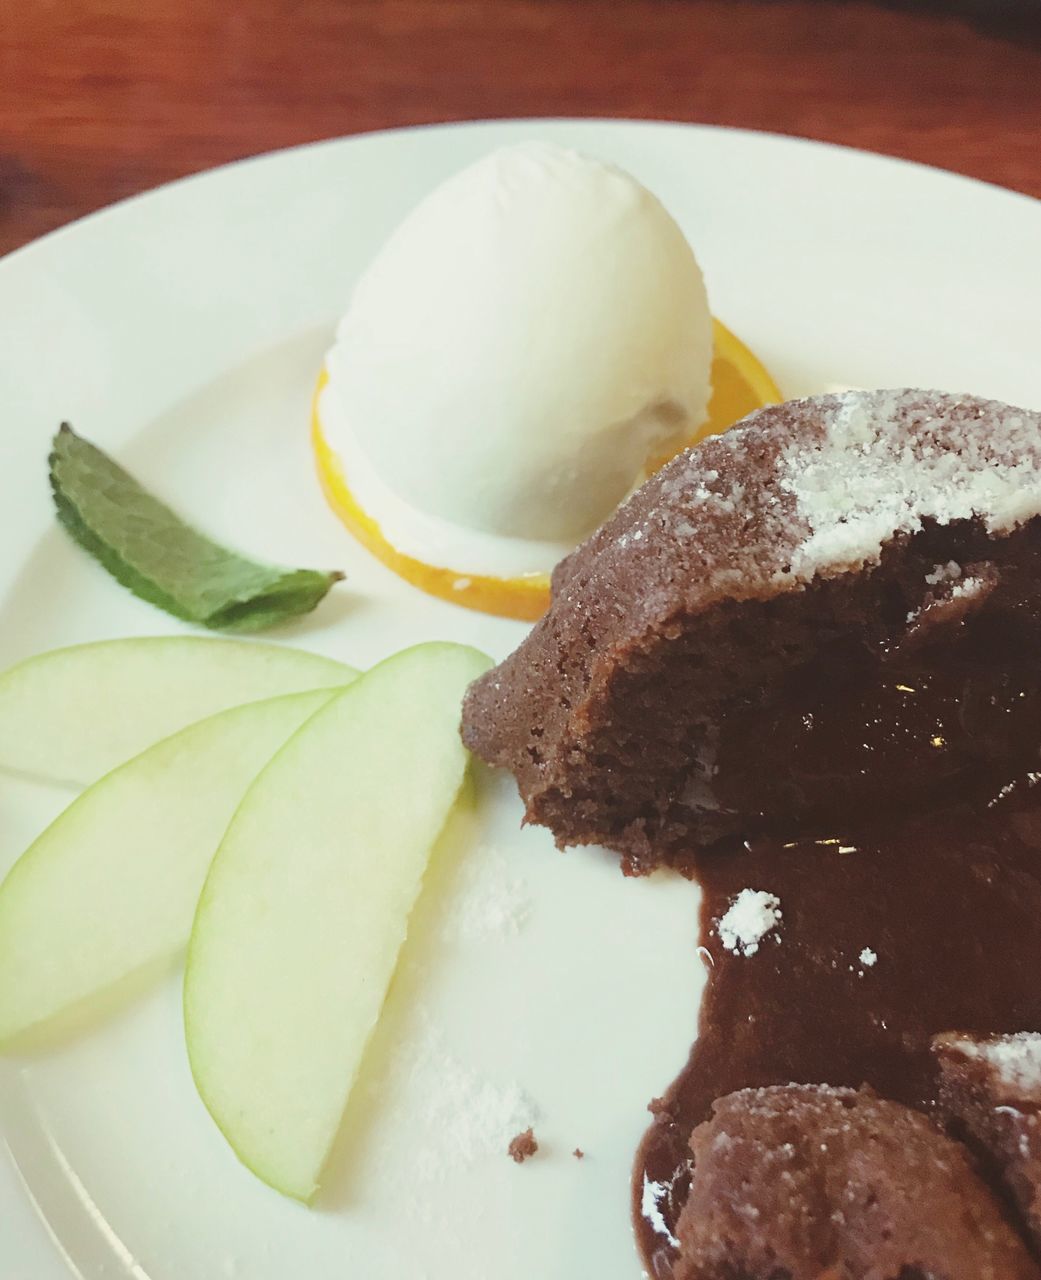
{"points": [[740, 384]]}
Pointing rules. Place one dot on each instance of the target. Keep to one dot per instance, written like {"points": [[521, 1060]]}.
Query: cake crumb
{"points": [[748, 920], [578, 1153], [523, 1146]]}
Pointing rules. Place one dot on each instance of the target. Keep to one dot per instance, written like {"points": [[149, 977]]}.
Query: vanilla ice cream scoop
{"points": [[531, 335]]}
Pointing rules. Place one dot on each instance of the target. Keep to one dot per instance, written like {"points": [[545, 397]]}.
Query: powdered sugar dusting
{"points": [[487, 901], [887, 461], [944, 573], [465, 1116], [1016, 1059], [967, 588], [650, 1206], [748, 920], [816, 488]]}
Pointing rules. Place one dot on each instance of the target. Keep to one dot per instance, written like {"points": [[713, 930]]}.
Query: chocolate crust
{"points": [[801, 1182]]}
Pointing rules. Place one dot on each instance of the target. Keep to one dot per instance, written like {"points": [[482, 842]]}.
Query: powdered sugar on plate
{"points": [[466, 1116], [486, 900]]}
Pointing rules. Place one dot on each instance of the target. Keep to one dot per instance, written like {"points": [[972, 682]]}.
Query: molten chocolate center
{"points": [[896, 816]]}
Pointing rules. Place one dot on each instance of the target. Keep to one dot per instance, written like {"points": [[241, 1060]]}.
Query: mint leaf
{"points": [[149, 549]]}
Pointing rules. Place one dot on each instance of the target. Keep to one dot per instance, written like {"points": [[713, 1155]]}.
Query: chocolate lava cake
{"points": [[830, 610], [806, 1182], [803, 664]]}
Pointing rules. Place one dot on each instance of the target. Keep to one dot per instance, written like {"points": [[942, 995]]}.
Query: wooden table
{"points": [[103, 98]]}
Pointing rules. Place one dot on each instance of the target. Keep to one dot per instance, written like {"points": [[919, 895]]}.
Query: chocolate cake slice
{"points": [[832, 609], [806, 1182], [990, 1091]]}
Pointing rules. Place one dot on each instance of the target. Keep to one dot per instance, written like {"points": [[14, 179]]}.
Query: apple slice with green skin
{"points": [[112, 885], [72, 715], [306, 907]]}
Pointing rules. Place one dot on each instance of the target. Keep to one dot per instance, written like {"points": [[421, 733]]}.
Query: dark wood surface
{"points": [[103, 98]]}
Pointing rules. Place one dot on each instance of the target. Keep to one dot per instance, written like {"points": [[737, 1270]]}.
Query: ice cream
{"points": [[528, 338]]}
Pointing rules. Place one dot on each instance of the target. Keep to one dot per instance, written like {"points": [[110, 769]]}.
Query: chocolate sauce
{"points": [[946, 903], [857, 730]]}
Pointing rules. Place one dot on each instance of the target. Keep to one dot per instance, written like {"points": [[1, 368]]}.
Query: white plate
{"points": [[184, 330]]}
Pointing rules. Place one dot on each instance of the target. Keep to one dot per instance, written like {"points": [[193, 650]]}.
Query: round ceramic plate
{"points": [[184, 331]]}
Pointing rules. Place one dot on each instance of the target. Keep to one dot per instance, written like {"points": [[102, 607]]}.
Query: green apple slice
{"points": [[112, 885], [306, 907], [72, 715]]}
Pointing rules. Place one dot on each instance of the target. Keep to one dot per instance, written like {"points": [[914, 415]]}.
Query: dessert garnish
{"points": [[306, 906], [528, 345], [110, 887], [72, 715], [283, 840], [150, 550], [801, 662]]}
